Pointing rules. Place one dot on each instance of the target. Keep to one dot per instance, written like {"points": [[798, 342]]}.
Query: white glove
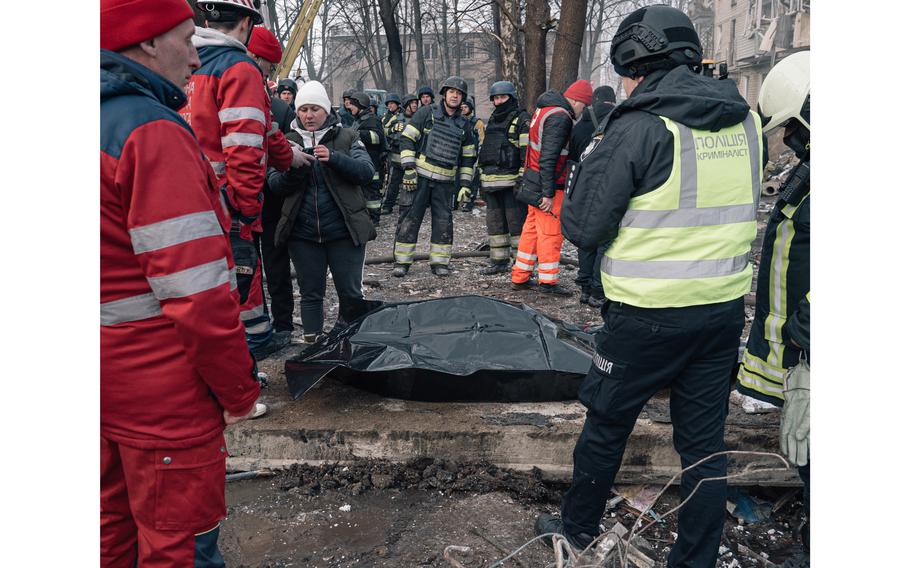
{"points": [[794, 426]]}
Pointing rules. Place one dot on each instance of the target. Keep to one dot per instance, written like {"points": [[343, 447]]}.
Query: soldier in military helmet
{"points": [[425, 95], [437, 155], [367, 124], [344, 111], [501, 165]]}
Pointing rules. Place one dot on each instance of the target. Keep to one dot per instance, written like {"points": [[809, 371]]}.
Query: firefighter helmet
{"points": [[784, 94]]}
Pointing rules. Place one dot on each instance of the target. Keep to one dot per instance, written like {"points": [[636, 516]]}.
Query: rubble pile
{"points": [[425, 474]]}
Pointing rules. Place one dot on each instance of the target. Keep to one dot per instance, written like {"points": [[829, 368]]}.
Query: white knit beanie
{"points": [[313, 93]]}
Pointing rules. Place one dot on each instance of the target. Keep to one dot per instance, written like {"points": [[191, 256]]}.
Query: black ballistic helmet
{"points": [[347, 94], [286, 85], [425, 91], [455, 82], [503, 88], [410, 97], [361, 99], [392, 98], [652, 38]]}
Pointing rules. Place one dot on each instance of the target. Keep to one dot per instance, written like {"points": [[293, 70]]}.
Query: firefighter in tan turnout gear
{"points": [[437, 155]]}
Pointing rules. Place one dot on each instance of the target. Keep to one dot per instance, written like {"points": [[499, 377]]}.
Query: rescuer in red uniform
{"points": [[174, 363]]}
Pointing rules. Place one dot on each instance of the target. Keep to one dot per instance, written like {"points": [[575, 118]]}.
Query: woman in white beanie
{"points": [[324, 220]]}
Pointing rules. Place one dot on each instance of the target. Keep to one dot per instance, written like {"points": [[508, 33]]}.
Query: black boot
{"points": [[597, 298], [554, 289], [547, 523], [495, 268], [400, 270], [440, 269], [585, 294]]}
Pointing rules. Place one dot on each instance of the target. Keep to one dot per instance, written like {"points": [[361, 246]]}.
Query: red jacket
{"points": [[173, 350], [229, 110]]}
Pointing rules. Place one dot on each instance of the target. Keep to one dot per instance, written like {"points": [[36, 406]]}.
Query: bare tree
{"points": [[393, 40], [418, 38], [567, 48], [537, 24]]}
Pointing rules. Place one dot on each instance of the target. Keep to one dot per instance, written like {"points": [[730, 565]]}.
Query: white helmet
{"points": [[250, 8], [784, 92]]}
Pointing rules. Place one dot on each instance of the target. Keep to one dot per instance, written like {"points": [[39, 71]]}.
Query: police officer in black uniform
{"points": [[677, 221]]}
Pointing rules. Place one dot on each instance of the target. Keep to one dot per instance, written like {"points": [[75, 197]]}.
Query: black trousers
{"points": [[391, 191], [505, 216], [413, 206], [640, 351], [589, 270], [276, 263], [311, 259]]}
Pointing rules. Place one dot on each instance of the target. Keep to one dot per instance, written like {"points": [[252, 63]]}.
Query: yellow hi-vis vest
{"points": [[687, 242]]}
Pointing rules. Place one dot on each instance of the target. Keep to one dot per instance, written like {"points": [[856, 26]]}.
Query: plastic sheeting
{"points": [[465, 348]]}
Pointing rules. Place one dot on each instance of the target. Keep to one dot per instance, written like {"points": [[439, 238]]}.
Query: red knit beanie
{"points": [[264, 44], [129, 22], [581, 91]]}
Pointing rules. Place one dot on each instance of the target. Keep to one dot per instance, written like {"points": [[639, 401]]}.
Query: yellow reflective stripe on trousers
{"points": [[499, 240], [440, 253], [404, 252]]}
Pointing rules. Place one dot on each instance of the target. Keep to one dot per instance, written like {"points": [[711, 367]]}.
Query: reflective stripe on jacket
{"points": [[782, 304], [230, 112], [173, 351], [413, 152], [688, 242]]}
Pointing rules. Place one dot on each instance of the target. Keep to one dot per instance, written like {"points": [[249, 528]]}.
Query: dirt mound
{"points": [[425, 474]]}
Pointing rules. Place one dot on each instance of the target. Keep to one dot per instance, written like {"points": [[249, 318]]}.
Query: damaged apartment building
{"points": [[750, 36]]}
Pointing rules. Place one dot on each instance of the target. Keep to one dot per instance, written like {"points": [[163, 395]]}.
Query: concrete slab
{"points": [[337, 423]]}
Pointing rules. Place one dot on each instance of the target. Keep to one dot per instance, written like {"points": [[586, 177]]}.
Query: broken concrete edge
{"points": [[557, 473]]}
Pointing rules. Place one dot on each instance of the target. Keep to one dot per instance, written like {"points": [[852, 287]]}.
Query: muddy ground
{"points": [[387, 515]]}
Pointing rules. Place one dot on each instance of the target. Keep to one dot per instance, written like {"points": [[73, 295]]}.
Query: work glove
{"points": [[794, 427], [464, 195], [409, 179]]}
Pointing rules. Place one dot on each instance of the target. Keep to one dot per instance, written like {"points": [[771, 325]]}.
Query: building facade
{"points": [[750, 36]]}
